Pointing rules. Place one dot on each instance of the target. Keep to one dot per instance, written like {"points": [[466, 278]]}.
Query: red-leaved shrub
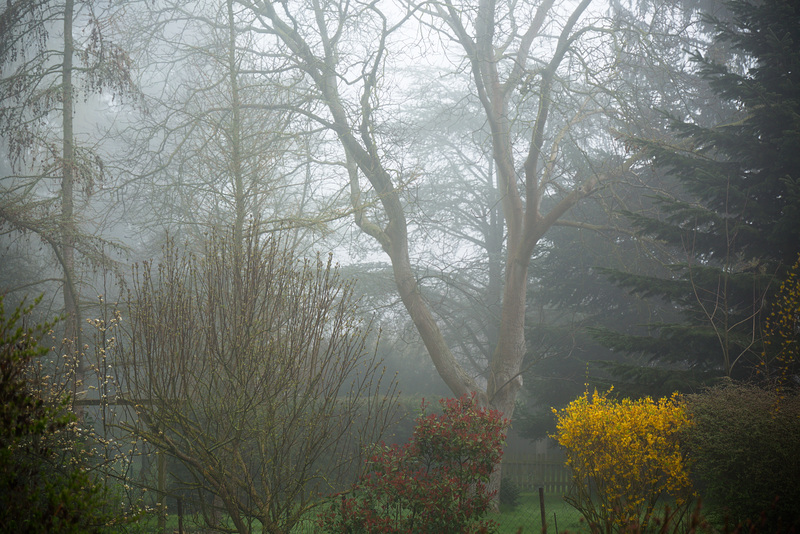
{"points": [[435, 483]]}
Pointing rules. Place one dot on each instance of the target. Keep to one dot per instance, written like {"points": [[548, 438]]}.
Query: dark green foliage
{"points": [[572, 298], [43, 486], [735, 226], [745, 455], [509, 494]]}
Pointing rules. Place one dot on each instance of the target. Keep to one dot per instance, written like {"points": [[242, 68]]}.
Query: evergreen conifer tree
{"points": [[735, 228]]}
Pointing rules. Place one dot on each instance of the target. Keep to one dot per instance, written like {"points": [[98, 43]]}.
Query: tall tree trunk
{"points": [[235, 137], [521, 208], [71, 294]]}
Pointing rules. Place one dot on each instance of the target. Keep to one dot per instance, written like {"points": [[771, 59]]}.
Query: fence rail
{"points": [[530, 472]]}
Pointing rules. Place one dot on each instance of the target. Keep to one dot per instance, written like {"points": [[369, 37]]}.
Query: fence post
{"points": [[541, 507], [180, 515], [162, 491]]}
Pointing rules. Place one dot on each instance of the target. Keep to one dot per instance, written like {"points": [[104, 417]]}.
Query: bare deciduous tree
{"points": [[254, 372], [508, 49], [217, 144], [53, 56]]}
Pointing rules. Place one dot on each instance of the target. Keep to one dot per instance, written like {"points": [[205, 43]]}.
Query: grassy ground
{"points": [[528, 516], [525, 518]]}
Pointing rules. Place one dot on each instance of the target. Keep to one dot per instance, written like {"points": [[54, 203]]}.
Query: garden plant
{"points": [[45, 481], [435, 483], [625, 458], [746, 455]]}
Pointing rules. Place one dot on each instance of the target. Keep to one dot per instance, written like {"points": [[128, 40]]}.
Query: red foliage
{"points": [[435, 483]]}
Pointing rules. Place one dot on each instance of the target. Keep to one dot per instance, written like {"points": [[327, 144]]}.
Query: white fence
{"points": [[531, 471]]}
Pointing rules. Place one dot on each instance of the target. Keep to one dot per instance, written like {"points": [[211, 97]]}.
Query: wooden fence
{"points": [[531, 471]]}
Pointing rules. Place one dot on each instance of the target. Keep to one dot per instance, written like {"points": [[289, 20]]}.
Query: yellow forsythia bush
{"points": [[624, 456]]}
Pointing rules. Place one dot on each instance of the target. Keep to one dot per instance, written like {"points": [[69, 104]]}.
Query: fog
{"points": [[372, 200]]}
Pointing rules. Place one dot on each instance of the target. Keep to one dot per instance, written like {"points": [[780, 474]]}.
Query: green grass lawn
{"points": [[528, 515]]}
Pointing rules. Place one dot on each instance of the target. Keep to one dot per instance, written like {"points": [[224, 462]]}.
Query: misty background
{"points": [[482, 179]]}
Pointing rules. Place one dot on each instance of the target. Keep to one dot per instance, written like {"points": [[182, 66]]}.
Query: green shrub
{"points": [[43, 484], [745, 449], [437, 482], [509, 494]]}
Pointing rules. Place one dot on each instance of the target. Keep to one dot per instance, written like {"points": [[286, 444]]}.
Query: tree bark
{"points": [[72, 331], [521, 208]]}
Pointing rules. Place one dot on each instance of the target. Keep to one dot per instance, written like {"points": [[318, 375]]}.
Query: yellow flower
{"points": [[627, 451]]}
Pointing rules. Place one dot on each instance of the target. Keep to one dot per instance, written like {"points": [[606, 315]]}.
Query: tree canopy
{"points": [[734, 224]]}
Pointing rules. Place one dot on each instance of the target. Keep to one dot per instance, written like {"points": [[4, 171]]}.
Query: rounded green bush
{"points": [[509, 494], [745, 453]]}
